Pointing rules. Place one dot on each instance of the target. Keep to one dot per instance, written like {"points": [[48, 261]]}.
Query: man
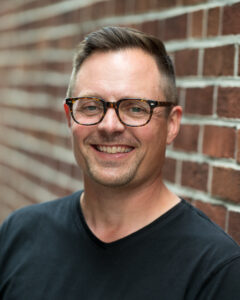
{"points": [[126, 236]]}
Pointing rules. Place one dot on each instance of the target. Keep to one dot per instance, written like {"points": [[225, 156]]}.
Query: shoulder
{"points": [[32, 215], [207, 237]]}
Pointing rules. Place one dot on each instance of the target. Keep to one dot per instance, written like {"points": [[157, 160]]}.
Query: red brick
{"points": [[115, 7], [53, 188], [120, 7], [216, 213], [187, 138], [86, 13], [231, 17], [238, 146], [99, 10], [234, 225], [226, 184], [219, 61], [142, 5], [197, 24], [151, 27], [195, 175], [13, 203], [199, 101], [219, 141], [239, 61], [192, 2], [228, 102], [163, 4], [76, 172], [45, 112], [169, 169], [213, 21], [176, 28], [47, 136], [182, 62]]}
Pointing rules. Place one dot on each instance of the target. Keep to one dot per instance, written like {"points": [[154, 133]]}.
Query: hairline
{"points": [[163, 78]]}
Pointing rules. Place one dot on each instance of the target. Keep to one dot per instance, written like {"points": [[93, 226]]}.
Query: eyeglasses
{"points": [[131, 112]]}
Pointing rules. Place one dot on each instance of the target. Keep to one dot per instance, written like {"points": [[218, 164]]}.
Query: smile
{"points": [[113, 149]]}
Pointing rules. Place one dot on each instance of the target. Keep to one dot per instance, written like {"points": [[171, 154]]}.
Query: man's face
{"points": [[110, 153]]}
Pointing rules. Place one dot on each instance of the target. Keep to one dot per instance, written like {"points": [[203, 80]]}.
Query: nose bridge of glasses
{"points": [[111, 120], [111, 105]]}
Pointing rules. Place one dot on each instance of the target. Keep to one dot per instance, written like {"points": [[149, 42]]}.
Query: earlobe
{"points": [[174, 121], [67, 113]]}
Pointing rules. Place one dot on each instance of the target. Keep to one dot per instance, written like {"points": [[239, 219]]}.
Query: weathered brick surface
{"points": [[192, 2], [219, 61], [219, 141], [186, 62], [176, 28], [226, 184], [238, 146], [228, 102], [195, 175], [187, 45], [142, 6], [187, 138], [163, 4], [169, 169], [238, 73], [42, 135], [234, 225], [197, 24], [45, 112], [199, 101], [120, 7], [213, 22], [151, 27], [231, 16], [216, 213], [51, 187]]}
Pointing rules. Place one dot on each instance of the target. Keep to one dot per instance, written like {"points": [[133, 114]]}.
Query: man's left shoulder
{"points": [[209, 236]]}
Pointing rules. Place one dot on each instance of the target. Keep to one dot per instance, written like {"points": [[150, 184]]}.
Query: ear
{"points": [[67, 113], [174, 120]]}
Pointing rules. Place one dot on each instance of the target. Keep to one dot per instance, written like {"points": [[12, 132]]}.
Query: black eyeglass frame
{"points": [[115, 105]]}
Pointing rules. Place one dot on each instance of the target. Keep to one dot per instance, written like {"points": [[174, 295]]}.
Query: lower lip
{"points": [[109, 156]]}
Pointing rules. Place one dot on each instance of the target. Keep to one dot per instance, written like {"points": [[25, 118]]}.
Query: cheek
{"points": [[77, 138], [154, 137]]}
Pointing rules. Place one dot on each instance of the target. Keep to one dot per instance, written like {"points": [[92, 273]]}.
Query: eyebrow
{"points": [[90, 95]]}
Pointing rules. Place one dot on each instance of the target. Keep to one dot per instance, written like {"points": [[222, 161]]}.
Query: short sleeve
{"points": [[224, 284]]}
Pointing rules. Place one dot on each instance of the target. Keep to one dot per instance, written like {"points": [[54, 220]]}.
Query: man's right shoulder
{"points": [[30, 215]]}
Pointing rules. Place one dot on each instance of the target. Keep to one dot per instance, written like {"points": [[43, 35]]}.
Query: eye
{"points": [[88, 106], [137, 109], [134, 107]]}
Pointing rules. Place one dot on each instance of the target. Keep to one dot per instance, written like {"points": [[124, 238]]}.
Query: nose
{"points": [[111, 122]]}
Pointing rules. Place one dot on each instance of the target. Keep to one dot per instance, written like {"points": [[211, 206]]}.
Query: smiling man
{"points": [[126, 236]]}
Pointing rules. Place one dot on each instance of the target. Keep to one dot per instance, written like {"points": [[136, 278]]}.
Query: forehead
{"points": [[119, 72]]}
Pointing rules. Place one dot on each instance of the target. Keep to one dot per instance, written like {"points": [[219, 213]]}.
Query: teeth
{"points": [[114, 149]]}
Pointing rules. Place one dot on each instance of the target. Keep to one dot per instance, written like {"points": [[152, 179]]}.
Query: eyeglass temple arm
{"points": [[163, 103]]}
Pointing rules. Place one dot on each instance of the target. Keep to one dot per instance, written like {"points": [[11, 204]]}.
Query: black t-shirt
{"points": [[48, 252]]}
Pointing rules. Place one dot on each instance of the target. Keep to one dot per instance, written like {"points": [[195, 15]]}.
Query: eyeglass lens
{"points": [[133, 112]]}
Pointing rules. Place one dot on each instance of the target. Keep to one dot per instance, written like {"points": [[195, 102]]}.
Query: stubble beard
{"points": [[96, 173]]}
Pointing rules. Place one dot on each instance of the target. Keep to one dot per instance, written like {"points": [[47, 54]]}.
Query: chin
{"points": [[112, 180]]}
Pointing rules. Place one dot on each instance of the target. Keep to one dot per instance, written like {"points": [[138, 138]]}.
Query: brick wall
{"points": [[36, 47]]}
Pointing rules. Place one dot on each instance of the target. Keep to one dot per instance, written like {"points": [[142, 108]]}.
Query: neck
{"points": [[113, 213]]}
